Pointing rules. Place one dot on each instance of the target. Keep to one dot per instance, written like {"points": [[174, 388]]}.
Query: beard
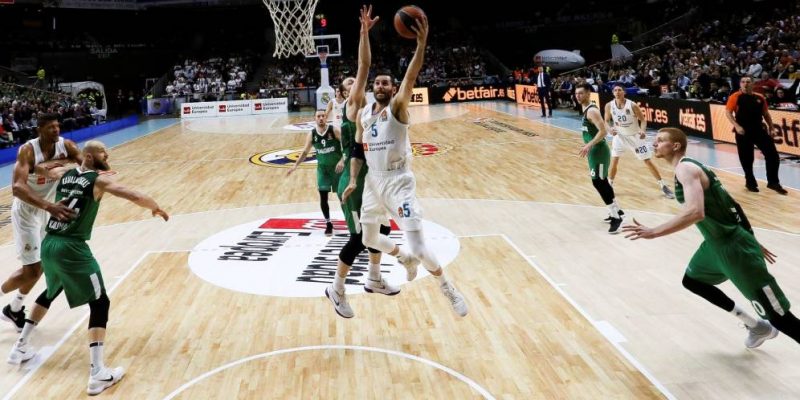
{"points": [[100, 165]]}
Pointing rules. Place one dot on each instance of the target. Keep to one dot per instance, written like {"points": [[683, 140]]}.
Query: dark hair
{"points": [[45, 119], [618, 84], [585, 86], [386, 72]]}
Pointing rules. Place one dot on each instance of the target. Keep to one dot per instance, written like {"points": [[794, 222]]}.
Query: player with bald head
{"points": [[68, 263]]}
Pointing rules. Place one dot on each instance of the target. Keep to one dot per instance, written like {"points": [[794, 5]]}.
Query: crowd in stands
{"points": [[449, 60], [19, 107], [209, 79], [707, 63]]}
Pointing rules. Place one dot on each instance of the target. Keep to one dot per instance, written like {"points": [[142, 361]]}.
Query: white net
{"points": [[293, 21]]}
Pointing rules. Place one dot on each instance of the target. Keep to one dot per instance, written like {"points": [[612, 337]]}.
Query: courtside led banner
{"points": [[419, 97], [785, 129], [236, 107]]}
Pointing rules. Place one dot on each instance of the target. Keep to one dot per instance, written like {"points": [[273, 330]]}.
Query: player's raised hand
{"points": [[420, 27], [367, 22]]}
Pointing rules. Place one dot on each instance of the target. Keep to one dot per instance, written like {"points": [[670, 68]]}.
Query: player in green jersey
{"points": [[729, 249], [598, 153], [325, 139], [68, 263]]}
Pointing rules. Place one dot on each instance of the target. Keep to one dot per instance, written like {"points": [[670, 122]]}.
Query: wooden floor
{"points": [[558, 308]]}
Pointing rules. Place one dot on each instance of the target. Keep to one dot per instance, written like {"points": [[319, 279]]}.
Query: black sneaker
{"points": [[778, 188], [616, 224], [329, 229], [16, 318], [608, 219], [752, 188]]}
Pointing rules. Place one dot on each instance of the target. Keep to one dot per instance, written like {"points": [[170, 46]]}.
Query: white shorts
{"points": [[391, 194], [640, 147], [28, 223]]}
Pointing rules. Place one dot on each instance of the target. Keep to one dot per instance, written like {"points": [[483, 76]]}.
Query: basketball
{"points": [[404, 19]]}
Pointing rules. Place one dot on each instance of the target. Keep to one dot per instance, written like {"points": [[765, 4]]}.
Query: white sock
{"points": [[613, 209], [374, 272], [338, 283], [26, 331], [16, 302], [661, 183], [740, 313], [96, 354], [442, 278], [611, 182]]}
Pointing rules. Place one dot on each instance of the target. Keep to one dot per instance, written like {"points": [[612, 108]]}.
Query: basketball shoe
{"points": [[380, 286], [104, 379], [456, 299], [15, 317], [410, 263], [759, 334], [339, 301], [20, 353]]}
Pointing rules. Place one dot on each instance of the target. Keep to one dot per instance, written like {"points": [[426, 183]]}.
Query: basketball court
{"points": [[558, 308], [226, 300]]}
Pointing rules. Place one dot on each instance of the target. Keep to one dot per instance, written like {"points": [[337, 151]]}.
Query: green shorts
{"points": [[69, 264], [599, 158], [327, 178], [739, 258], [352, 207]]}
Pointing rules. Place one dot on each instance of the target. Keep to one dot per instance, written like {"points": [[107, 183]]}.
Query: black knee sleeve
{"points": [[45, 301], [98, 314], [605, 190], [351, 249], [788, 324], [385, 231], [709, 292]]}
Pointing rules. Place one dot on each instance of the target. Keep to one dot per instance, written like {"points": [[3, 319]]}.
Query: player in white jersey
{"points": [[335, 107], [390, 186], [33, 200], [628, 125]]}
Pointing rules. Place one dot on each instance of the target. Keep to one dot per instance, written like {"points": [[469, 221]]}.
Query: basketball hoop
{"points": [[293, 26]]}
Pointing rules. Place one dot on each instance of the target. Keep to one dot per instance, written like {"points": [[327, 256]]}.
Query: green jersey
{"points": [[587, 127], [78, 187], [327, 146], [722, 218]]}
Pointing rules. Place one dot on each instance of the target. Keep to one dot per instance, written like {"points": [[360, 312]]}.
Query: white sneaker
{"points": [[410, 263], [762, 332], [339, 302], [456, 299], [21, 353], [381, 286], [104, 379]]}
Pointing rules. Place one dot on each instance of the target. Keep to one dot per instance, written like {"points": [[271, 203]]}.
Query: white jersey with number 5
{"points": [[386, 143], [624, 118], [337, 110]]}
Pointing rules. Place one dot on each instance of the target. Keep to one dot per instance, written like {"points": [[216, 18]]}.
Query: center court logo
{"points": [[287, 157], [290, 256]]}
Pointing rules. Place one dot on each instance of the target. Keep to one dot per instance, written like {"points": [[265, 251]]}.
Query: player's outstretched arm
{"points": [[303, 155], [403, 97], [104, 184], [357, 96]]}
